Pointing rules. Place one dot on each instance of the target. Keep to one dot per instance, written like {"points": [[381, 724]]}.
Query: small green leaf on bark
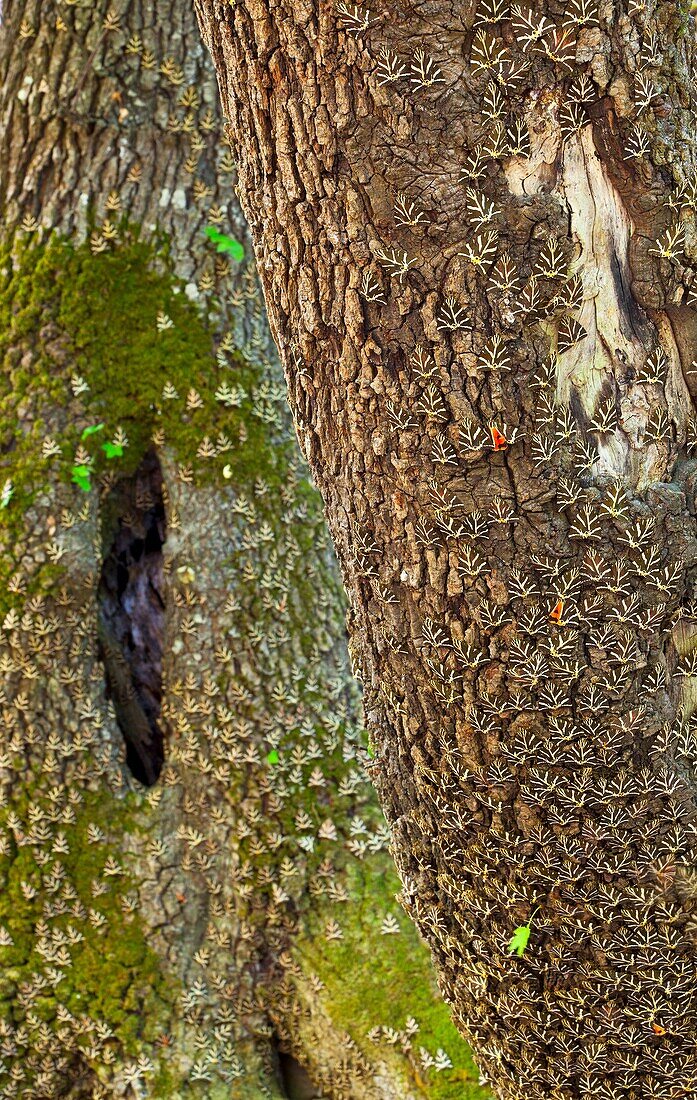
{"points": [[225, 243], [81, 477], [91, 430]]}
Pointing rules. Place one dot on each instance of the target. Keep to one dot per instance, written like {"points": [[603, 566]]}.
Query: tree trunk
{"points": [[180, 787], [475, 229]]}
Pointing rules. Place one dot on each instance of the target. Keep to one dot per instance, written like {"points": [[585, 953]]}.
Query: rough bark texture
{"points": [[474, 226], [148, 936]]}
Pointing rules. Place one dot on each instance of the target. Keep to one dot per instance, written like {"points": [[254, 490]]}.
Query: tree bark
{"points": [[180, 779], [474, 227]]}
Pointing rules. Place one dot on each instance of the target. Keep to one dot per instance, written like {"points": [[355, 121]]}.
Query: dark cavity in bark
{"points": [[132, 613], [295, 1081]]}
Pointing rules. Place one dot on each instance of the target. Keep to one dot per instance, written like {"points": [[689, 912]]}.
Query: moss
{"points": [[113, 975], [105, 307], [373, 979], [109, 307], [65, 312]]}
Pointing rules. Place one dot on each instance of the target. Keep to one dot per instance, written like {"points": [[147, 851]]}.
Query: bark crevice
{"points": [[131, 599], [293, 1077]]}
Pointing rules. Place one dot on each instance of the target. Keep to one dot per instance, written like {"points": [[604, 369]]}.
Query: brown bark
{"points": [[475, 232]]}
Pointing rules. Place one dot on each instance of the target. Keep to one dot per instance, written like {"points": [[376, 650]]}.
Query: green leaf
{"points": [[91, 430], [112, 450], [273, 757], [519, 940], [81, 477], [225, 243], [7, 493]]}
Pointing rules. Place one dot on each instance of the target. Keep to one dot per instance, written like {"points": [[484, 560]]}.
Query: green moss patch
{"points": [[374, 980], [99, 353], [107, 969]]}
